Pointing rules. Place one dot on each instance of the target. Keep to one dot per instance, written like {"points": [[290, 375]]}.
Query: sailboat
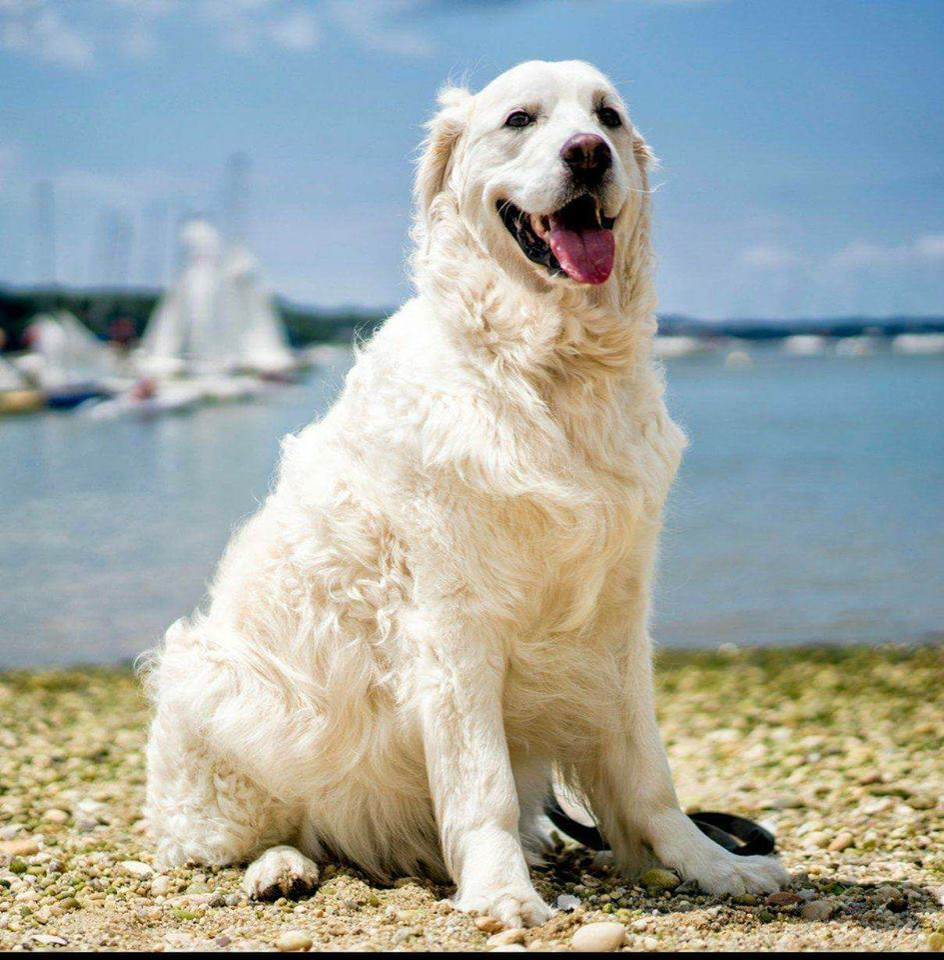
{"points": [[67, 360], [16, 395], [216, 319]]}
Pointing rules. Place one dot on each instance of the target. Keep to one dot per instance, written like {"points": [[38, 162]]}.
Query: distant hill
{"points": [[777, 329], [100, 310]]}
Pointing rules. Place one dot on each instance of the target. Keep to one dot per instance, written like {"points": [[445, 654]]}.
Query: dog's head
{"points": [[544, 167]]}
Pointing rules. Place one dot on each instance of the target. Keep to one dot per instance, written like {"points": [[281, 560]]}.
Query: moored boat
{"points": [[919, 343], [805, 344], [16, 394]]}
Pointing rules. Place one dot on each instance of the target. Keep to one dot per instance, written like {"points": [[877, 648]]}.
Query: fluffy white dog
{"points": [[446, 597]]}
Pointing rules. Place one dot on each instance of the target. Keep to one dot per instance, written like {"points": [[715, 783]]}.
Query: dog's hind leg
{"points": [[200, 809], [281, 871], [532, 783]]}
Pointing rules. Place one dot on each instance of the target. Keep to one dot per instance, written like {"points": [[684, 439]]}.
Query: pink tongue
{"points": [[586, 255]]}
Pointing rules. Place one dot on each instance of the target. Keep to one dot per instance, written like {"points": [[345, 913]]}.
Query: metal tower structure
{"points": [[44, 233], [236, 199]]}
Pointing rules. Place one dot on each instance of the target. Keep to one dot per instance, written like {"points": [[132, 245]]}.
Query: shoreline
{"points": [[836, 748]]}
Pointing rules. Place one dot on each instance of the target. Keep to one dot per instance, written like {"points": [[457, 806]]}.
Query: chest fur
{"points": [[587, 534]]}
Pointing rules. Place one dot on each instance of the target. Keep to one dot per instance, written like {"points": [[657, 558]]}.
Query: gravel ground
{"points": [[840, 752]]}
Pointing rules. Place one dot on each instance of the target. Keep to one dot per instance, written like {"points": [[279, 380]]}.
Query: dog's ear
{"points": [[443, 131], [645, 158], [635, 276]]}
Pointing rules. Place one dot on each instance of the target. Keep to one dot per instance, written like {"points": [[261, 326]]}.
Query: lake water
{"points": [[810, 508]]}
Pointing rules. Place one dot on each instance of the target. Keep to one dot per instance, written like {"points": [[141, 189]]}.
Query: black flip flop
{"points": [[736, 834]]}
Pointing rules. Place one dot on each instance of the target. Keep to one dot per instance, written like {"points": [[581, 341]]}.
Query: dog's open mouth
{"points": [[576, 240]]}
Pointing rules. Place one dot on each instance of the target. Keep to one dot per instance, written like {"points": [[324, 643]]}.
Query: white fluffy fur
{"points": [[446, 597]]}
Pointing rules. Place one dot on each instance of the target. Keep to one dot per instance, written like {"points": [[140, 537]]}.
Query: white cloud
{"points": [[930, 246], [36, 29], [149, 8], [926, 248], [68, 32], [768, 257], [373, 23], [139, 42], [296, 31], [244, 24]]}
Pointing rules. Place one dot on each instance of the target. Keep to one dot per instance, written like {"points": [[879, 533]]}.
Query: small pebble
{"points": [[784, 898], [24, 847], [842, 842], [406, 933], [293, 940], [567, 902], [817, 910], [602, 937], [135, 868], [886, 892], [488, 924], [161, 886], [505, 937], [48, 940], [657, 880]]}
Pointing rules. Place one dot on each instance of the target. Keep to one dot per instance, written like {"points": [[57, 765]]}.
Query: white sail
{"points": [[10, 377], [69, 353], [215, 318], [263, 342], [184, 332]]}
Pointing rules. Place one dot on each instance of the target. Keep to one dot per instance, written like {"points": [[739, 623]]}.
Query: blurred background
{"points": [[203, 201]]}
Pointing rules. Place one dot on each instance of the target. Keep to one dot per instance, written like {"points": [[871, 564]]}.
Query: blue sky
{"points": [[802, 141]]}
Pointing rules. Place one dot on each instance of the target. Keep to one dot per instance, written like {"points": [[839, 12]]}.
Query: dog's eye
{"points": [[609, 117], [520, 118]]}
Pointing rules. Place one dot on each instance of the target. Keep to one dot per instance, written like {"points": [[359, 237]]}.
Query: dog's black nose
{"points": [[588, 157]]}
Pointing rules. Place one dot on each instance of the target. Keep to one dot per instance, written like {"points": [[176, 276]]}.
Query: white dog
{"points": [[445, 600]]}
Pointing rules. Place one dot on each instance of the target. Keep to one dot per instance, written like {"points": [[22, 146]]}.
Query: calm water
{"points": [[810, 507]]}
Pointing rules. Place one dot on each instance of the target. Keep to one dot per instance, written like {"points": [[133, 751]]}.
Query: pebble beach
{"points": [[839, 751]]}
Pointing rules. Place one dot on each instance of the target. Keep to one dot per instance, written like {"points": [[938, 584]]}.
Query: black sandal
{"points": [[736, 834]]}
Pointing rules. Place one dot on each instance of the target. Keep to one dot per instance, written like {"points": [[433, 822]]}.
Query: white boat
{"points": [[738, 359], [145, 399], [919, 343], [68, 362], [670, 347], [227, 389], [858, 346], [805, 344], [216, 319], [16, 394]]}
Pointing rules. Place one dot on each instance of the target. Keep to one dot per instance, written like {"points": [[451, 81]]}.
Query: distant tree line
{"points": [[103, 311]]}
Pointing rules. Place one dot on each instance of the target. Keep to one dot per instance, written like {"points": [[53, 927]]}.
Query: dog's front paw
{"points": [[280, 872], [513, 908], [728, 874], [680, 845]]}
